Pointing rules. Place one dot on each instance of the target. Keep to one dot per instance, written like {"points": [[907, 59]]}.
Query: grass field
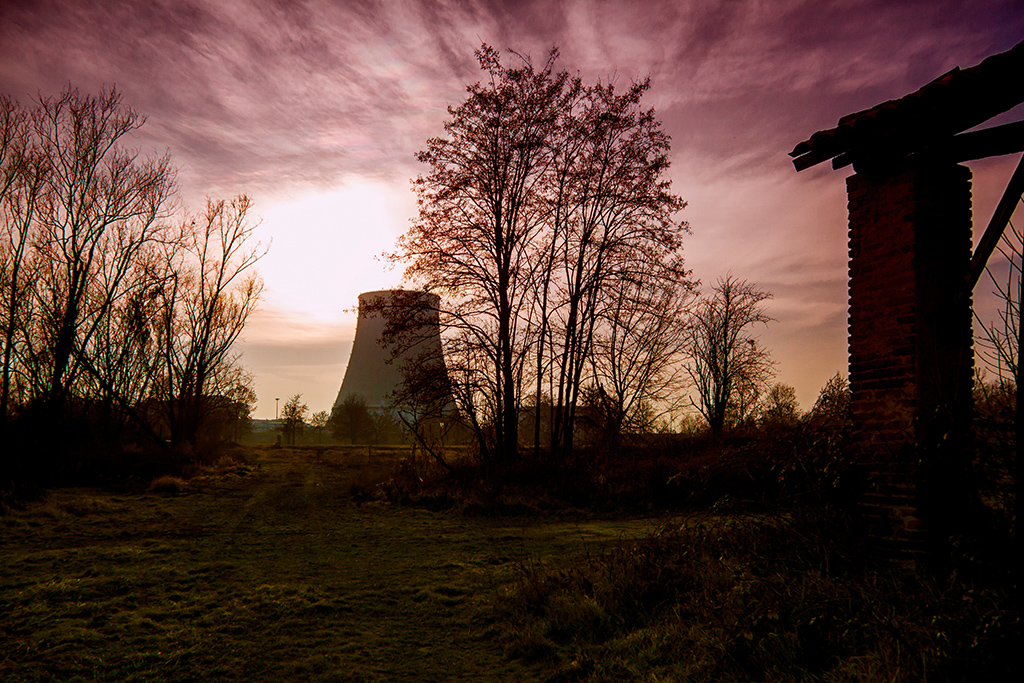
{"points": [[270, 571]]}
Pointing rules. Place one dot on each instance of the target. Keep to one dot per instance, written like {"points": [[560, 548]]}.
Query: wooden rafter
{"points": [[930, 120]]}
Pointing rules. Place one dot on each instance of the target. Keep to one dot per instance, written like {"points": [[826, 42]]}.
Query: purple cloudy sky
{"points": [[317, 108]]}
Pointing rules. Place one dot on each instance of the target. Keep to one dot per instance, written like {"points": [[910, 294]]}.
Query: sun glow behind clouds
{"points": [[327, 247]]}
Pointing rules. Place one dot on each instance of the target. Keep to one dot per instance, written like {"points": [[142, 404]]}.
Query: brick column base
{"points": [[911, 348]]}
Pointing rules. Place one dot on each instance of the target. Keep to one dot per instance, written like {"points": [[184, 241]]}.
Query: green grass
{"points": [[292, 564], [270, 571]]}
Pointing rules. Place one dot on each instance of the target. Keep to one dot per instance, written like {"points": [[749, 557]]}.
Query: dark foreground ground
{"points": [[267, 573]]}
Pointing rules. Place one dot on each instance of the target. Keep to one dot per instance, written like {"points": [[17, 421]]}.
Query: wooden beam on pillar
{"points": [[980, 144], [994, 231]]}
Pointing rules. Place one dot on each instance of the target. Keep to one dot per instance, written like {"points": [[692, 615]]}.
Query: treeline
{"points": [[119, 311], [548, 227]]}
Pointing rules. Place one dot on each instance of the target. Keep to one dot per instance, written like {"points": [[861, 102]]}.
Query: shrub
{"points": [[745, 598], [167, 484]]}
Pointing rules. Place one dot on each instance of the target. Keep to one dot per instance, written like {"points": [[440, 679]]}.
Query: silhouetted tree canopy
{"points": [[114, 314], [542, 200], [293, 418], [351, 420]]}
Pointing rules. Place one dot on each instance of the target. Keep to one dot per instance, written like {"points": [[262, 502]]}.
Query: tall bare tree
{"points": [[478, 217], [105, 301], [544, 195], [727, 365], [23, 170], [638, 352], [101, 207], [211, 292], [612, 223]]}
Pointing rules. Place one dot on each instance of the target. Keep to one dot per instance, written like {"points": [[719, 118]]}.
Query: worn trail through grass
{"points": [[278, 575]]}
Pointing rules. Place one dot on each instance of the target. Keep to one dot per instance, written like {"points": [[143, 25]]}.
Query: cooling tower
{"points": [[375, 370]]}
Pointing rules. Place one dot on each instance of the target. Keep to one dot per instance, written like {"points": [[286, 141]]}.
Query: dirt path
{"points": [[277, 576]]}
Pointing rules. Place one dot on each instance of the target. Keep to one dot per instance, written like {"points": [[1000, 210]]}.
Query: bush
{"points": [[755, 598], [167, 484], [759, 469]]}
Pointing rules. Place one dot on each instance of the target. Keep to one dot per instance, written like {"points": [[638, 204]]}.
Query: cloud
{"points": [[246, 94], [251, 94], [294, 100]]}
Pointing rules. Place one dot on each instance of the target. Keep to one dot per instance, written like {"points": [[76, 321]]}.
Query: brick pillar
{"points": [[911, 348]]}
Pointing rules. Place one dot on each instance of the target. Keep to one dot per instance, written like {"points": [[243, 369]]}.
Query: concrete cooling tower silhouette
{"points": [[375, 370]]}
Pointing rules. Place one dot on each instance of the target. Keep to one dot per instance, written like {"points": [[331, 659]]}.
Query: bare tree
{"points": [[108, 307], [611, 223], [82, 219], [544, 195], [1000, 339], [293, 417], [23, 170], [99, 210], [638, 349], [727, 365], [478, 217], [211, 292]]}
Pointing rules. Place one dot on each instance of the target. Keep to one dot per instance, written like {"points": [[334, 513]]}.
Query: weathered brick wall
{"points": [[910, 344]]}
